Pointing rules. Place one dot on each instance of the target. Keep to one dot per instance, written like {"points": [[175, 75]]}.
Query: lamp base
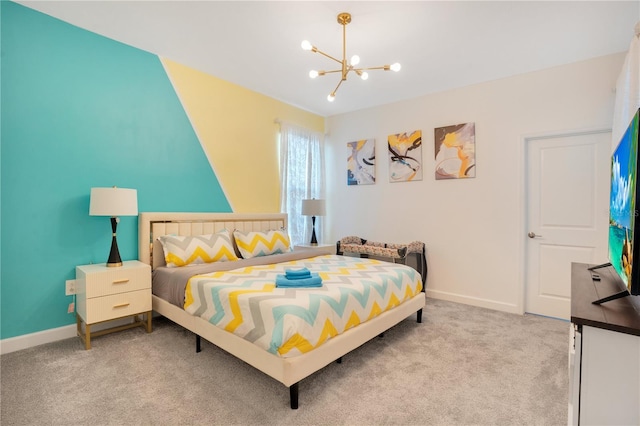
{"points": [[114, 255], [314, 241]]}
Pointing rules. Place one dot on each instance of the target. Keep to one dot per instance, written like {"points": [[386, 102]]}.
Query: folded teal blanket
{"points": [[313, 280], [297, 274]]}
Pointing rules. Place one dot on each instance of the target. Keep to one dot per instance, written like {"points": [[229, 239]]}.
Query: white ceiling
{"points": [[440, 44]]}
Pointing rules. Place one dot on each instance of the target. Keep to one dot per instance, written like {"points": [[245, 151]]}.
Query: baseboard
{"points": [[474, 301], [26, 341]]}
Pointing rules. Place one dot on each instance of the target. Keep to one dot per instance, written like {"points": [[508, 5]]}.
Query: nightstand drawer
{"points": [[96, 280], [117, 305]]}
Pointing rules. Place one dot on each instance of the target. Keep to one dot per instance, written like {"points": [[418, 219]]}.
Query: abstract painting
{"points": [[455, 151], [405, 156], [361, 162]]}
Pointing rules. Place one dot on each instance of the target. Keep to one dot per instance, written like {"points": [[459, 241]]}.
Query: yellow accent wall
{"points": [[237, 131]]}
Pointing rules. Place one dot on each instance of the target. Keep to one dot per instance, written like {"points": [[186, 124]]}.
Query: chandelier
{"points": [[345, 66]]}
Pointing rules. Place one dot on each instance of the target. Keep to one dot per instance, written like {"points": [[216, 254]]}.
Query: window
{"points": [[301, 177]]}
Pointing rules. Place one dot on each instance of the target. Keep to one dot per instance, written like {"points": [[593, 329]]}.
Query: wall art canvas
{"points": [[455, 151], [361, 162], [405, 156]]}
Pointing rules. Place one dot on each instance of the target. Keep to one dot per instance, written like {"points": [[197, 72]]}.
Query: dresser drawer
{"points": [[96, 280], [117, 305]]}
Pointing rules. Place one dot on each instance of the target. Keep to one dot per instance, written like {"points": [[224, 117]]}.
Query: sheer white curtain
{"points": [[627, 90], [301, 177]]}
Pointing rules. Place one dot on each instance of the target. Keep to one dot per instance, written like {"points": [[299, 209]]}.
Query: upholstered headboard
{"points": [[153, 225]]}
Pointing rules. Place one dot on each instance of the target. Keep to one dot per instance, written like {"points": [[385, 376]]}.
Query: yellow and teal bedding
{"points": [[292, 321]]}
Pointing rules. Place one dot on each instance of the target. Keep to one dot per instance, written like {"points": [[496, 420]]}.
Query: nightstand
{"points": [[108, 293], [319, 250]]}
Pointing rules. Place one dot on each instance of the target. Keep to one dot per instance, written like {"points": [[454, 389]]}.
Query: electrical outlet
{"points": [[70, 287]]}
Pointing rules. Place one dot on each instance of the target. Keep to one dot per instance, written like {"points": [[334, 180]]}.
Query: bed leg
{"points": [[419, 316], [198, 347], [293, 395], [339, 360], [381, 335]]}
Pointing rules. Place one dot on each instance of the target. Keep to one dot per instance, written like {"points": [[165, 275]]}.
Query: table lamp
{"points": [[313, 208], [113, 202]]}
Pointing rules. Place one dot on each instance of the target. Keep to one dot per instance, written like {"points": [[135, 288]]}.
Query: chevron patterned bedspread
{"points": [[291, 321]]}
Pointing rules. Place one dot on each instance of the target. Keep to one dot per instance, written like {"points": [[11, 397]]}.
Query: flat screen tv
{"points": [[624, 216]]}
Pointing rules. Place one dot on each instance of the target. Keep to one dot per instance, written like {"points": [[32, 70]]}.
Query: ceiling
{"points": [[440, 44]]}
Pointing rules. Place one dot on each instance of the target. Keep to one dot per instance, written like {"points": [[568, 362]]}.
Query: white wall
{"points": [[473, 228]]}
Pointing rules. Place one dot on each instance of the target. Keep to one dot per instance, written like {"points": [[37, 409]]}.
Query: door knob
{"points": [[532, 234]]}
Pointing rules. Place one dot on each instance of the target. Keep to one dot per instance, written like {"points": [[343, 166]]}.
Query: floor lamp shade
{"points": [[313, 208], [113, 202]]}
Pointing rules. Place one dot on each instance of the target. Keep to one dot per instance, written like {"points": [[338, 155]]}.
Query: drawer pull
{"points": [[121, 305], [122, 281]]}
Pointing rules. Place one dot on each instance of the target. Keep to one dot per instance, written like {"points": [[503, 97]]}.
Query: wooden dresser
{"points": [[604, 354]]}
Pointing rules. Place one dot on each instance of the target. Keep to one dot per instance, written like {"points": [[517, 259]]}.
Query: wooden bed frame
{"points": [[288, 371]]}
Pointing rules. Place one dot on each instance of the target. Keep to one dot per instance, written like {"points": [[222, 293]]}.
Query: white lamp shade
{"points": [[313, 207], [113, 202]]}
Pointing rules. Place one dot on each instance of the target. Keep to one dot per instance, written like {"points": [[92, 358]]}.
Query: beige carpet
{"points": [[463, 365]]}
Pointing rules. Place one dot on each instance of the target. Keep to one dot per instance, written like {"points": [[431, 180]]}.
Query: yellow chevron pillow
{"points": [[254, 244], [197, 249]]}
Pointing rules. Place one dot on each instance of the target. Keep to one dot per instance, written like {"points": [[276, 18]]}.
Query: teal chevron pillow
{"points": [[197, 249], [254, 244]]}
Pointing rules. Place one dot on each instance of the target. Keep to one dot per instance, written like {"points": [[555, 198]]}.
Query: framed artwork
{"points": [[361, 162], [455, 151], [405, 156]]}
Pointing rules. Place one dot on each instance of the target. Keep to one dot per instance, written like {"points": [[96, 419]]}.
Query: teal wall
{"points": [[80, 111]]}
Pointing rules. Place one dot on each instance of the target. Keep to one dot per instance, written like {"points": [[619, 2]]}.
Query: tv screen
{"points": [[623, 213]]}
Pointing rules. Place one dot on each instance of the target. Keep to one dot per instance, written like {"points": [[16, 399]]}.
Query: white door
{"points": [[567, 197]]}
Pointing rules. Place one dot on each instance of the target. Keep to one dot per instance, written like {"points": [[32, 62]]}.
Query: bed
{"points": [[288, 362]]}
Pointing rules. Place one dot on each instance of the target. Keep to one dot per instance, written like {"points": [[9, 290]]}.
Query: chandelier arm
{"points": [[328, 56], [328, 72], [383, 67], [336, 89]]}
